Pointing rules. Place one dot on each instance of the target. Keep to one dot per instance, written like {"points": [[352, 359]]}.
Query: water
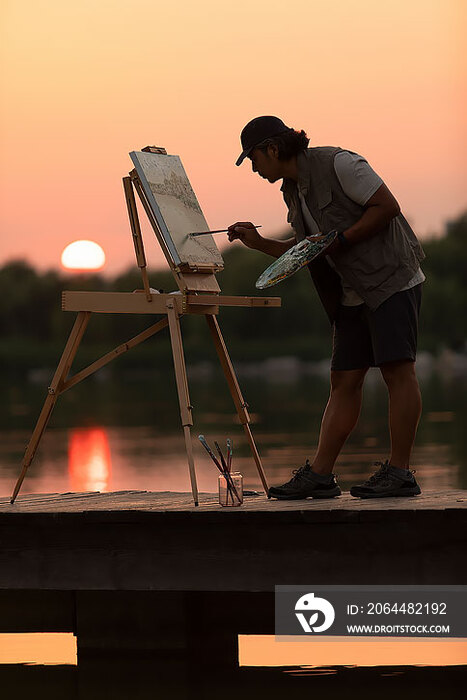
{"points": [[124, 433], [140, 679]]}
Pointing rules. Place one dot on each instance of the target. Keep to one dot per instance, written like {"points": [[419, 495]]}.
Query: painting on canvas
{"points": [[176, 209]]}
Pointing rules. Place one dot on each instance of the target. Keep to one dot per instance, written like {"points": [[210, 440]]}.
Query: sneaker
{"points": [[304, 483], [388, 481]]}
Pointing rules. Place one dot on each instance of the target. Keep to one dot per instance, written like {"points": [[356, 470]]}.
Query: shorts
{"points": [[366, 338]]}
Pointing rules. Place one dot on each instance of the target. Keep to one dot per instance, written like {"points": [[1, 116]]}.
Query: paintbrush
{"points": [[228, 464], [228, 478], [230, 484], [219, 451], [224, 473], [205, 233], [229, 454]]}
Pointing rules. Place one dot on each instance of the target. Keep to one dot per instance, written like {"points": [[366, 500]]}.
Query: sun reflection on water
{"points": [[89, 461]]}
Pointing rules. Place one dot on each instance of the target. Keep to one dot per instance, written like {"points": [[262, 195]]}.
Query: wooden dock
{"points": [[114, 567]]}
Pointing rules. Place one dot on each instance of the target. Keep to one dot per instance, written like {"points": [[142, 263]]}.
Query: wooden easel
{"points": [[200, 295]]}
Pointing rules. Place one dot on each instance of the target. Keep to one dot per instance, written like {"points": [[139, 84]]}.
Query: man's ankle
{"points": [[402, 466], [321, 471]]}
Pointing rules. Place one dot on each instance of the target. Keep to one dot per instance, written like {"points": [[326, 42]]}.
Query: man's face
{"points": [[267, 165]]}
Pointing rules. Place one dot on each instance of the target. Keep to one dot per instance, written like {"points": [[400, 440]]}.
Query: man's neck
{"points": [[290, 169]]}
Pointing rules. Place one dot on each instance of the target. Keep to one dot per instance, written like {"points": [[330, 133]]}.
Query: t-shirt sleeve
{"points": [[357, 178]]}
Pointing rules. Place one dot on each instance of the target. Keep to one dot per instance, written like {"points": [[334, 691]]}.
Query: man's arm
{"points": [[270, 246], [379, 210]]}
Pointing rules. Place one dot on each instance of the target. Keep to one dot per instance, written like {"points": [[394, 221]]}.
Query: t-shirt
{"points": [[359, 182]]}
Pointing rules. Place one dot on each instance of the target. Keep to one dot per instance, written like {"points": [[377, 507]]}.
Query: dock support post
{"points": [[200, 628]]}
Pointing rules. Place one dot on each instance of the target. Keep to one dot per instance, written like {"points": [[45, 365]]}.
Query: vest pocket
{"points": [[324, 198]]}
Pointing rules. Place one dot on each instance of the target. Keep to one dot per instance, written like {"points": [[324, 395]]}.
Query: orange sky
{"points": [[83, 83], [264, 650]]}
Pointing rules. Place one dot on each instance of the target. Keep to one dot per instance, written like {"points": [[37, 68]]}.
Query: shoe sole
{"points": [[320, 494], [391, 494]]}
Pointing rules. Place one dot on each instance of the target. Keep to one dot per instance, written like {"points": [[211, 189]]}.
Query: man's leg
{"points": [[340, 417], [351, 348], [405, 407]]}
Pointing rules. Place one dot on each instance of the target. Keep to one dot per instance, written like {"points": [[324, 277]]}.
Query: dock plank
{"points": [[154, 501]]}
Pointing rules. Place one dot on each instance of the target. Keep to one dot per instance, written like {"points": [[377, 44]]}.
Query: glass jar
{"points": [[231, 489]]}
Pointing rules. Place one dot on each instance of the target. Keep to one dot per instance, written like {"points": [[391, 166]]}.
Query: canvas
{"points": [[176, 209]]}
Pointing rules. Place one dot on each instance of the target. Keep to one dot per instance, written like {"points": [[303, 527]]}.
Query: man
{"points": [[369, 282]]}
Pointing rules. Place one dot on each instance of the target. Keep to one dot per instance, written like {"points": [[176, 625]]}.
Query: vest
{"points": [[376, 267]]}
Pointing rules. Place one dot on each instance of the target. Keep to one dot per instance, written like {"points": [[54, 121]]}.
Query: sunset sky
{"points": [[84, 83]]}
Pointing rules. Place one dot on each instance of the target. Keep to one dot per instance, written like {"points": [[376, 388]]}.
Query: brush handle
{"points": [[228, 478], [219, 451], [229, 454], [205, 233]]}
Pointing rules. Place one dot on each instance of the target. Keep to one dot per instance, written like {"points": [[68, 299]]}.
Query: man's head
{"points": [[270, 145]]}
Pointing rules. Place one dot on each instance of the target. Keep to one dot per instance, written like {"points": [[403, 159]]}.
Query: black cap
{"points": [[257, 131]]}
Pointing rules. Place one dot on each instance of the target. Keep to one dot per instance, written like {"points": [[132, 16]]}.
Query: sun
{"points": [[83, 255]]}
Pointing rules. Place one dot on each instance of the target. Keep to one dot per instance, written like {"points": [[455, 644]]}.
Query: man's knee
{"points": [[398, 372], [348, 381]]}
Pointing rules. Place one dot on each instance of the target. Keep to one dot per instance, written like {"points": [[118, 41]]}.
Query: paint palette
{"points": [[295, 258]]}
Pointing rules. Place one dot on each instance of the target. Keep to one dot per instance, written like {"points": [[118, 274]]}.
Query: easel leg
{"points": [[238, 399], [182, 388], [54, 390]]}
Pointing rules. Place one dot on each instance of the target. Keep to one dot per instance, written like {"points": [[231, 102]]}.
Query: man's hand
{"points": [[245, 232], [334, 249], [316, 236]]}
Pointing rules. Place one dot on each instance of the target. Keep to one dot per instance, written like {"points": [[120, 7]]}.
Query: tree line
{"points": [[33, 329]]}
